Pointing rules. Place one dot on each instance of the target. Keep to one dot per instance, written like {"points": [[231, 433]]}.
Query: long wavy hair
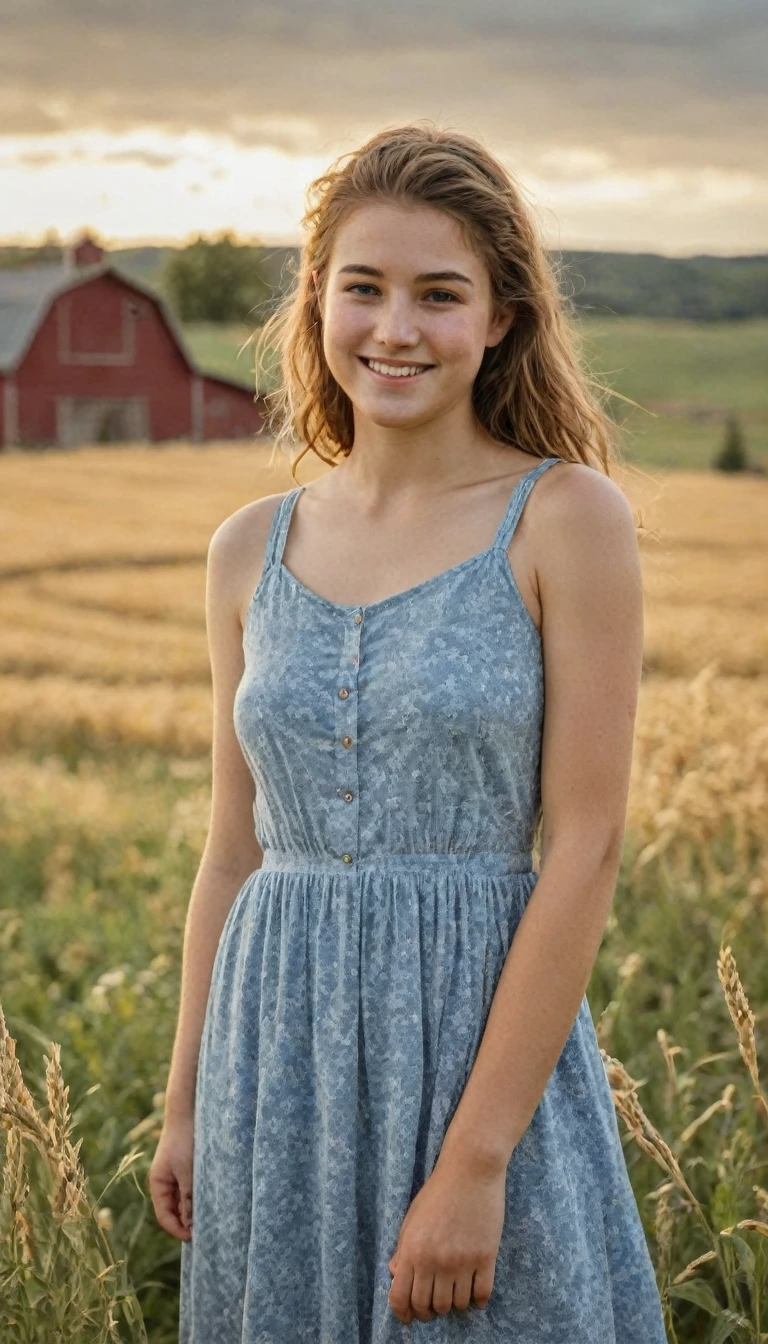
{"points": [[532, 391]]}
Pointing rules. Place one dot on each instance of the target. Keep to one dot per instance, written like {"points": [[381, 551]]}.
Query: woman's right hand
{"points": [[170, 1178]]}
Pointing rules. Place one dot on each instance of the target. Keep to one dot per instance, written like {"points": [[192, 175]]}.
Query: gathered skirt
{"points": [[342, 1023]]}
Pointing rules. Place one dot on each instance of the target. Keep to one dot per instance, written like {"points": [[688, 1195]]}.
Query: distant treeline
{"points": [[624, 284], [697, 289]]}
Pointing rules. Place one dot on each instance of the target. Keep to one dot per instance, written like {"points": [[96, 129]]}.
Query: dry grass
{"points": [[647, 1137], [743, 1020], [58, 1276], [133, 502], [104, 559], [700, 774]]}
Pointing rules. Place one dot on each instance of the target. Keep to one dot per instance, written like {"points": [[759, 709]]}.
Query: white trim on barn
{"points": [[10, 412], [197, 390], [67, 355]]}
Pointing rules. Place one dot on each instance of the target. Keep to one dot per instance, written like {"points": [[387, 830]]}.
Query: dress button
{"points": [[348, 797], [346, 741], [347, 858], [343, 693], [358, 617]]}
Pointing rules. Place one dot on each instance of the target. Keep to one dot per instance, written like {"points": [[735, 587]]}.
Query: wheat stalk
{"points": [[84, 1256], [723, 1103], [68, 1196], [689, 1269], [645, 1134], [11, 1079], [743, 1019]]}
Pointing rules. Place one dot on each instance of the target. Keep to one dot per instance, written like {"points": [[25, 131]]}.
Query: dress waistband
{"points": [[512, 861]]}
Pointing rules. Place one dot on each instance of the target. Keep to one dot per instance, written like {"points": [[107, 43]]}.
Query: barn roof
{"points": [[25, 297], [27, 293]]}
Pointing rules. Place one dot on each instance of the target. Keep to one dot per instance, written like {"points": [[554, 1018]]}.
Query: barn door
{"points": [[101, 420]]}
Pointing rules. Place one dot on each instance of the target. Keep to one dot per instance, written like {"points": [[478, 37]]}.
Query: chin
{"points": [[404, 419]]}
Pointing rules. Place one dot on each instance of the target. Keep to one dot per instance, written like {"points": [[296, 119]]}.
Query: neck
{"points": [[453, 450]]}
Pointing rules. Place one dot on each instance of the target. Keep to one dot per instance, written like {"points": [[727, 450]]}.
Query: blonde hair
{"points": [[532, 391]]}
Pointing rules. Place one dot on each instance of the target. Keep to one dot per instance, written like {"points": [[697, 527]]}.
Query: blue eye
{"points": [[361, 285]]}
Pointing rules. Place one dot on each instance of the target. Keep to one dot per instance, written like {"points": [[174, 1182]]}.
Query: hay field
{"points": [[104, 789], [102, 578]]}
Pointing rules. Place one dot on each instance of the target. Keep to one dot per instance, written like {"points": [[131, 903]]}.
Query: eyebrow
{"points": [[424, 278]]}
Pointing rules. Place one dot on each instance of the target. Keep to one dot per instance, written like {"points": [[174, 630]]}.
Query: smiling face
{"points": [[407, 313]]}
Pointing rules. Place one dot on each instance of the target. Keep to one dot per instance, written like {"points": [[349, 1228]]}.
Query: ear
{"points": [[316, 281], [500, 325]]}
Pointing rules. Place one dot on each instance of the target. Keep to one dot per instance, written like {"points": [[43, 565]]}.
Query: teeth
{"points": [[392, 370]]}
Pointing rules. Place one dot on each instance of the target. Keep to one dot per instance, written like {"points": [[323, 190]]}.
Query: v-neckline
{"points": [[349, 608]]}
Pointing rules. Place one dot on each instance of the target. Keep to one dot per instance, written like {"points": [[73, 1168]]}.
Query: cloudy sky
{"points": [[631, 127]]}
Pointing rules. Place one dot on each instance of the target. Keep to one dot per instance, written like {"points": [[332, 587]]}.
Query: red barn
{"points": [[90, 356]]}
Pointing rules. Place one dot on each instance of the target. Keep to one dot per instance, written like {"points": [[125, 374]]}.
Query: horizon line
{"points": [[177, 242]]}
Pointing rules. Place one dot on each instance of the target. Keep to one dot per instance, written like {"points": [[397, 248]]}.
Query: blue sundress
{"points": [[395, 750]]}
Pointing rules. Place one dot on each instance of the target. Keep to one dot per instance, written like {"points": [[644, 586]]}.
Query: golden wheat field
{"points": [[101, 604], [105, 728]]}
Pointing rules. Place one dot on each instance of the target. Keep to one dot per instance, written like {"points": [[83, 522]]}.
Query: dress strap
{"points": [[517, 500], [278, 529]]}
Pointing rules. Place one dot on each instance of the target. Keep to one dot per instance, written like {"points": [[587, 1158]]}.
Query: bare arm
{"points": [[590, 584], [231, 850]]}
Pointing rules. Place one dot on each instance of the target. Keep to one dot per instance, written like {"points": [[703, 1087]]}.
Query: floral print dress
{"points": [[395, 750]]}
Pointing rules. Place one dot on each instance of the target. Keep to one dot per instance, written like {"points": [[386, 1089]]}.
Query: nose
{"points": [[396, 325]]}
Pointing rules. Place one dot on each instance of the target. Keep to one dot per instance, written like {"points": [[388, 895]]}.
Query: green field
{"points": [[217, 348], [686, 375], [689, 375]]}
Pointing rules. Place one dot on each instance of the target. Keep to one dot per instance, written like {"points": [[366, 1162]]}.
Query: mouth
{"points": [[394, 373]]}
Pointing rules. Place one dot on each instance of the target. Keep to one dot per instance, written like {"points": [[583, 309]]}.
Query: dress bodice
{"points": [[413, 723]]}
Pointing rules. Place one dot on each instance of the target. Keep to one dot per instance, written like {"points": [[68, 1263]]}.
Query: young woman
{"points": [[387, 1116]]}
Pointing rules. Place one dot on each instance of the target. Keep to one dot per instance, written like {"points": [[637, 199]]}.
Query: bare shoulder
{"points": [[585, 544], [246, 528], [237, 548], [576, 491], [582, 508]]}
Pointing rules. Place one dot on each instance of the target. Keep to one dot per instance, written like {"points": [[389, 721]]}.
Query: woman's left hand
{"points": [[448, 1243]]}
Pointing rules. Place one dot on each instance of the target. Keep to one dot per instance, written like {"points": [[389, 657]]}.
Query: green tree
{"points": [[733, 454], [216, 280]]}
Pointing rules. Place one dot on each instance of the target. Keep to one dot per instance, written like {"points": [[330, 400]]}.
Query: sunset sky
{"points": [[630, 128]]}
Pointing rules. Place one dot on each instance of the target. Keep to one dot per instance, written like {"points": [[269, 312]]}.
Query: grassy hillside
{"points": [[626, 284], [610, 284], [686, 376]]}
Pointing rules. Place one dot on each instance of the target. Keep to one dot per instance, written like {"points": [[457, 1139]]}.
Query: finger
{"points": [[421, 1295], [170, 1222], [442, 1294], [400, 1293], [185, 1207], [483, 1285], [165, 1201], [462, 1292], [392, 1264]]}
